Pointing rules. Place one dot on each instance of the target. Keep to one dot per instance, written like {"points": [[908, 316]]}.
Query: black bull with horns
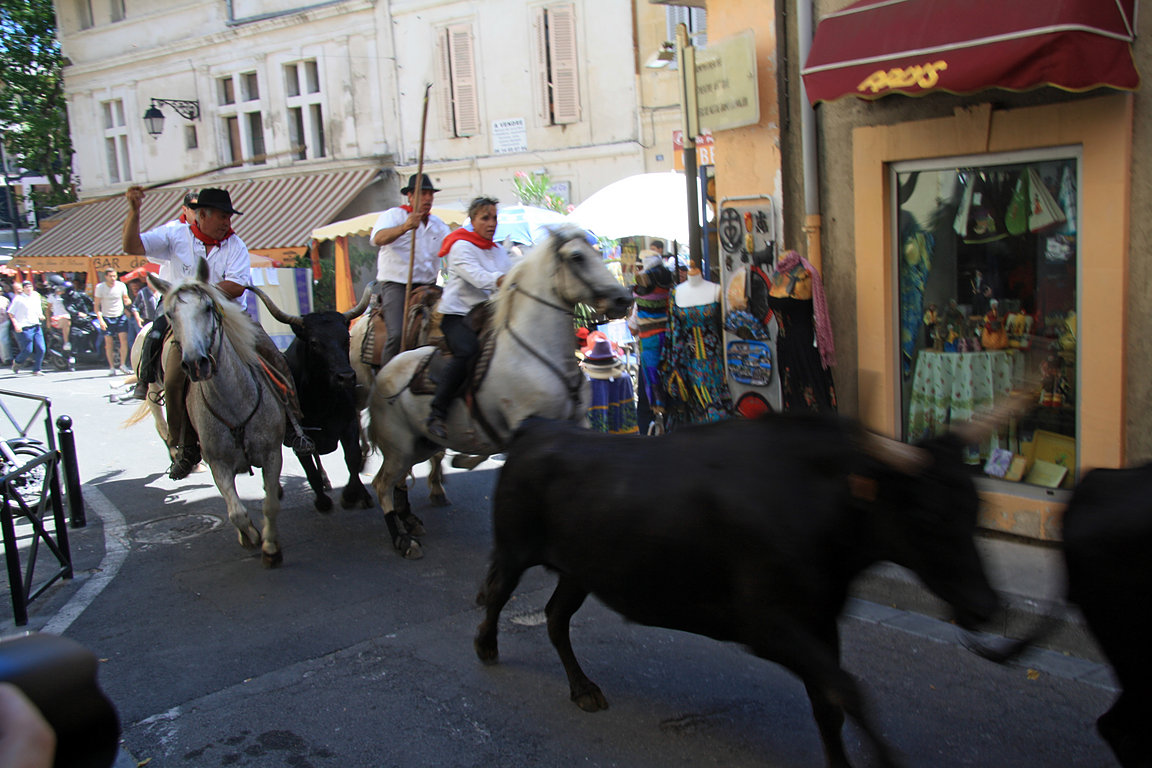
{"points": [[752, 534], [326, 387]]}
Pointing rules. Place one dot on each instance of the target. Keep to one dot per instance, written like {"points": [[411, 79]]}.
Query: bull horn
{"points": [[293, 320], [356, 311], [906, 458], [985, 423]]}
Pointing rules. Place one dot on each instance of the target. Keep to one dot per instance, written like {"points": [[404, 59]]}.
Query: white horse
{"points": [[533, 369], [230, 401]]}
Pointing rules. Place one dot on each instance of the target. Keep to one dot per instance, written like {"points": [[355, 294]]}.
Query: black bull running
{"points": [[746, 530]]}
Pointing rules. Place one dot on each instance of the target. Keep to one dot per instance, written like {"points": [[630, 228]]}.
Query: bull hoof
{"points": [[438, 500], [408, 547], [356, 501], [489, 653], [272, 560], [413, 525], [247, 542], [323, 504], [589, 698]]}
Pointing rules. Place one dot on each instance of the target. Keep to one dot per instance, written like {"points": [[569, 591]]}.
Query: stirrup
{"points": [[300, 443]]}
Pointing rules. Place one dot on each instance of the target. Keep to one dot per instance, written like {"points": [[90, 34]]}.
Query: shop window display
{"points": [[987, 266]]}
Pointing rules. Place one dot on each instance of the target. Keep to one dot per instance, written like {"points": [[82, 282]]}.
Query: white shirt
{"points": [[111, 299], [57, 305], [472, 275], [177, 251], [392, 259], [26, 309]]}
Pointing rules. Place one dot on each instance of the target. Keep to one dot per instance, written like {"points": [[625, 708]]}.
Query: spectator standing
{"points": [[111, 301], [143, 303], [26, 314]]}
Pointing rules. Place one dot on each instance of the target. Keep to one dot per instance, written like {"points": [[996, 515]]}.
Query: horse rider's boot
{"points": [[436, 426], [187, 457]]}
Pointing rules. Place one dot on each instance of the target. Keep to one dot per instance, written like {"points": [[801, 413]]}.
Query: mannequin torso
{"points": [[696, 291]]}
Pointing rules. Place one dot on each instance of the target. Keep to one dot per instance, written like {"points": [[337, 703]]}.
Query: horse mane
{"points": [[501, 303], [234, 321]]}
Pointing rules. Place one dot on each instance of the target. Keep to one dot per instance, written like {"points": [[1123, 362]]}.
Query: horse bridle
{"points": [[216, 341], [574, 386], [216, 335]]}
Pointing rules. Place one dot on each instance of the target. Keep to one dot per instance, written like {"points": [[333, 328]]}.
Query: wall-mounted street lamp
{"points": [[154, 118]]}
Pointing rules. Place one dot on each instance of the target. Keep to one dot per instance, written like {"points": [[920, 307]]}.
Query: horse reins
{"points": [[216, 339], [573, 387]]}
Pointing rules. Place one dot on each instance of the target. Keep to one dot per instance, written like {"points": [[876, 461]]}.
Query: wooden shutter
{"points": [[444, 84], [464, 101], [540, 53], [563, 55]]}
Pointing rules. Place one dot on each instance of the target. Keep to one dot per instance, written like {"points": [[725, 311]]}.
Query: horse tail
{"points": [[137, 416]]}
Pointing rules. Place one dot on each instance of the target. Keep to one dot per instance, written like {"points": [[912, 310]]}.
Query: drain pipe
{"points": [[812, 223]]}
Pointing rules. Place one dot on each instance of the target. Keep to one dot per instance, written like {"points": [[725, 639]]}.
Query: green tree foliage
{"points": [[536, 190], [33, 111]]}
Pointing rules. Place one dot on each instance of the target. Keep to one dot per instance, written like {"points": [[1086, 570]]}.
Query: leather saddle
{"points": [[422, 327]]}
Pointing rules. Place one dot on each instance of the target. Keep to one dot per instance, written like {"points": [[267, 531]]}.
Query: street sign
{"points": [[727, 93]]}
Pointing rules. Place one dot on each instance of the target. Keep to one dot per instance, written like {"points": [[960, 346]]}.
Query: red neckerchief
{"points": [[208, 241], [406, 208], [464, 234], [183, 219]]}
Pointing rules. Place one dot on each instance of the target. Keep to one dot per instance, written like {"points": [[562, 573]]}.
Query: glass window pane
{"points": [[232, 130], [317, 131], [291, 80], [125, 163], [296, 131], [227, 94], [256, 134], [118, 112], [988, 297], [312, 74], [107, 105], [112, 162], [250, 86]]}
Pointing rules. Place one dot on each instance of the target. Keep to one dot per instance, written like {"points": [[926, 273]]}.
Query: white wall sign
{"points": [[509, 136], [726, 83]]}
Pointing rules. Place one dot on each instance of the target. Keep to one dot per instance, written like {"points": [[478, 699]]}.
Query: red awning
{"points": [[876, 47]]}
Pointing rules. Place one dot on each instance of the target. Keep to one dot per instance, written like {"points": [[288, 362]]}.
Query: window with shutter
{"points": [[457, 97], [562, 50], [556, 64]]}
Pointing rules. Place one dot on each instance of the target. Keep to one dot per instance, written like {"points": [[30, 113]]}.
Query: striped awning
{"points": [[278, 212]]}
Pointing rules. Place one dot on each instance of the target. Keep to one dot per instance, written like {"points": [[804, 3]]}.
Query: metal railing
{"points": [[30, 470]]}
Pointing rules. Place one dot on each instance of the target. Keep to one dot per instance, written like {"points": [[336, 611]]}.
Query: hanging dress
{"points": [[692, 367], [805, 368]]}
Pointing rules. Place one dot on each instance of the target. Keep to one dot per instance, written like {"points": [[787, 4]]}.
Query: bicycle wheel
{"points": [[29, 486]]}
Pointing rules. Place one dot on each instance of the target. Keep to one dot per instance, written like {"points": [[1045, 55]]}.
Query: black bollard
{"points": [[71, 471]]}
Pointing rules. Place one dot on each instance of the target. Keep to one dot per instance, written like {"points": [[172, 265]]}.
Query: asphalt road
{"points": [[349, 656]]}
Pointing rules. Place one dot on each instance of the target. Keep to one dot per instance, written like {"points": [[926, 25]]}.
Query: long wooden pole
{"points": [[169, 182], [415, 207]]}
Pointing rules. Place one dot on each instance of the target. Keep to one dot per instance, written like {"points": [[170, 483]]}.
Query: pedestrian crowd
{"points": [[50, 313]]}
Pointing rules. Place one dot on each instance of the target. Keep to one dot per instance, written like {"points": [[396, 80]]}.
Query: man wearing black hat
{"points": [[178, 249], [393, 233]]}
